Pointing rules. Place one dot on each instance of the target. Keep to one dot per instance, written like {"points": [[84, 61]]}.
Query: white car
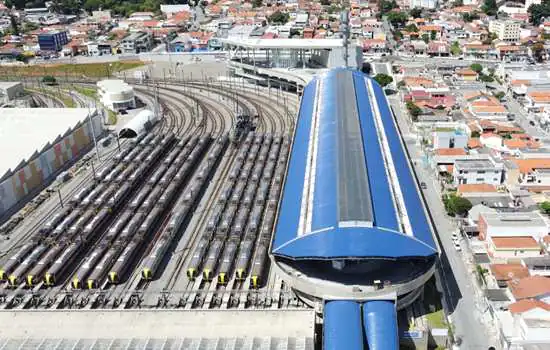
{"points": [[454, 235], [458, 247]]}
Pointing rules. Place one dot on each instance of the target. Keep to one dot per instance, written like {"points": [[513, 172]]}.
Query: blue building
{"points": [[352, 232], [53, 41]]}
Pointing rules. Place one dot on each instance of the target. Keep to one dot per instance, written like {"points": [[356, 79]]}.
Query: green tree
{"points": [[414, 110], [387, 5], [476, 67], [49, 80], [383, 79], [279, 17], [258, 3], [411, 28], [433, 34], [426, 38], [490, 7], [468, 17], [397, 18], [475, 134], [325, 2], [458, 3], [486, 78], [499, 94], [539, 11], [14, 25], [416, 12], [455, 205], [545, 207], [401, 84], [455, 48]]}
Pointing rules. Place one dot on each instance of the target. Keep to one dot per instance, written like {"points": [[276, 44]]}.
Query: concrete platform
{"points": [[86, 324]]}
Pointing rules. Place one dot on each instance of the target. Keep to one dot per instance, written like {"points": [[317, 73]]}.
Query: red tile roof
{"points": [[524, 305], [507, 272], [515, 242], [450, 152], [476, 188], [530, 287]]}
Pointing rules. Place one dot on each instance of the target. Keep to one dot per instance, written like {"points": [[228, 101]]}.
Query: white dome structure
{"points": [[115, 94], [138, 125]]}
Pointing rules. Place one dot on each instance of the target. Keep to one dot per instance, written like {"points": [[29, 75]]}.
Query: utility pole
{"points": [[93, 131]]}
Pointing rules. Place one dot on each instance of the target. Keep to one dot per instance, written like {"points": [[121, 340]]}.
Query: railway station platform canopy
{"points": [[351, 223], [284, 53]]}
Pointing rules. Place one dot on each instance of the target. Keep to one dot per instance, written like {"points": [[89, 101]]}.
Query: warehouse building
{"points": [[36, 145]]}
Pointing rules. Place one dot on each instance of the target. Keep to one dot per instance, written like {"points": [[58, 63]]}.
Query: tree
{"points": [[490, 7], [476, 67], [383, 79], [258, 3], [455, 205], [14, 25], [414, 110], [486, 78], [398, 18], [538, 12], [426, 38], [325, 2], [366, 68], [433, 34], [455, 48], [475, 134], [387, 5], [458, 3], [499, 94], [401, 84], [416, 12], [468, 17], [279, 18], [411, 28], [545, 207], [49, 80]]}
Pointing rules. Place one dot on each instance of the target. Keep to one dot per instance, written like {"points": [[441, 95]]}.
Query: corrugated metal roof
{"points": [[252, 343], [380, 325], [340, 196]]}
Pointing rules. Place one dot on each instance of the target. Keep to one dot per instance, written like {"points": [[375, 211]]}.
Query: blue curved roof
{"points": [[340, 197], [380, 325], [342, 326]]}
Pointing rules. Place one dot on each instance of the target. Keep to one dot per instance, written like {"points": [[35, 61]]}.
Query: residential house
{"points": [[445, 138], [503, 273], [170, 10], [530, 326], [439, 48], [532, 287], [473, 50], [141, 16], [137, 42], [430, 30], [484, 106], [466, 74], [532, 173], [512, 249], [519, 224], [511, 52], [537, 101], [537, 266], [478, 170]]}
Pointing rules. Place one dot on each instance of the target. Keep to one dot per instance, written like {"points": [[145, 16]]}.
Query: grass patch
{"points": [[112, 117], [89, 92], [88, 70], [436, 319]]}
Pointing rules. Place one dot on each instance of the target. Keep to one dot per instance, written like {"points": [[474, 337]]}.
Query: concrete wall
{"points": [[45, 166]]}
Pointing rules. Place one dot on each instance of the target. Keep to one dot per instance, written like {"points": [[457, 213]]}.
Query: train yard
{"points": [[179, 218]]}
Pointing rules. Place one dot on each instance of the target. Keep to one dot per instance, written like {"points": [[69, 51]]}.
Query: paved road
{"points": [[457, 282]]}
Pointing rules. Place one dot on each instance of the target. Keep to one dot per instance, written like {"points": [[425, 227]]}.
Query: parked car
{"points": [[423, 186]]}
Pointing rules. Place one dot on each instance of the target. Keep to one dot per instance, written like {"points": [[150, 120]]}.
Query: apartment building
{"points": [[506, 30], [137, 42], [477, 170]]}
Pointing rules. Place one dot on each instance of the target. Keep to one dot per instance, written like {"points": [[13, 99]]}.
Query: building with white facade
{"points": [[428, 4], [449, 138], [486, 170], [515, 224], [507, 30], [116, 94]]}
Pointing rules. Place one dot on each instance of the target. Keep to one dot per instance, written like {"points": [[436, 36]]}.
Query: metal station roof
{"points": [[341, 198]]}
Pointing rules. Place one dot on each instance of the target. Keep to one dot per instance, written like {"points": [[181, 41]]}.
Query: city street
{"points": [[460, 294]]}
